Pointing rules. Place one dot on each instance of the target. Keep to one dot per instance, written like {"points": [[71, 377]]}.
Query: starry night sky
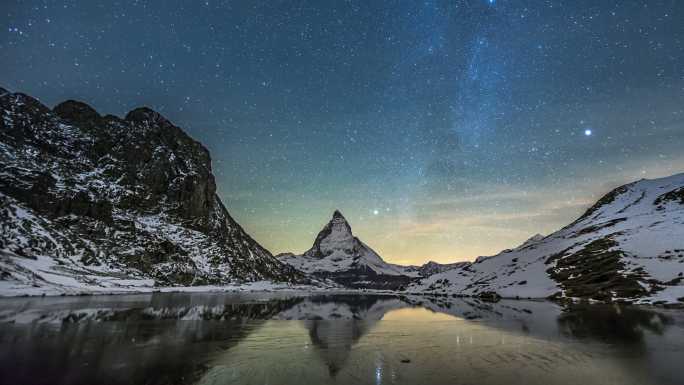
{"points": [[442, 130]]}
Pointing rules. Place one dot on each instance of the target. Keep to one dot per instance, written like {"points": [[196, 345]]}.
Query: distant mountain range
{"points": [[341, 257], [102, 202], [628, 247], [431, 267]]}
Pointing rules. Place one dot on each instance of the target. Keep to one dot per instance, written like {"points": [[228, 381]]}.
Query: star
{"points": [[587, 132]]}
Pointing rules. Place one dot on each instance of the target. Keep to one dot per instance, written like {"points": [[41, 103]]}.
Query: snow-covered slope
{"points": [[628, 246], [99, 202], [338, 255]]}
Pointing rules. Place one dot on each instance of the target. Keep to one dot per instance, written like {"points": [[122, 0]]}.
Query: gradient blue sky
{"points": [[441, 129]]}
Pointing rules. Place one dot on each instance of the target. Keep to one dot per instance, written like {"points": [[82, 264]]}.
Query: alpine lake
{"points": [[307, 338]]}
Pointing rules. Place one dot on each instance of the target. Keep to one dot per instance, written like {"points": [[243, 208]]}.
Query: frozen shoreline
{"points": [[16, 290], [8, 290]]}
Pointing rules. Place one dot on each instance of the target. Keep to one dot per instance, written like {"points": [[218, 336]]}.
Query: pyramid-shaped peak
{"points": [[338, 215], [337, 231], [338, 223]]}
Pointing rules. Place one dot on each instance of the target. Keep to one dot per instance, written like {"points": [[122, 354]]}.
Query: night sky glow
{"points": [[442, 130]]}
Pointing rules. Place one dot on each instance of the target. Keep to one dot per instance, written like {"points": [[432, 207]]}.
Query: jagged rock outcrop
{"points": [[92, 200]]}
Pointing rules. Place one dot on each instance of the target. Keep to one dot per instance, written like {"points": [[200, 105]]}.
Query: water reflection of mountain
{"points": [[536, 318], [648, 336], [144, 307], [317, 345], [602, 323], [192, 338], [336, 323], [624, 325], [136, 339], [157, 339]]}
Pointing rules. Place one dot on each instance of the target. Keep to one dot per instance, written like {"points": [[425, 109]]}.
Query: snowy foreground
{"points": [[49, 280]]}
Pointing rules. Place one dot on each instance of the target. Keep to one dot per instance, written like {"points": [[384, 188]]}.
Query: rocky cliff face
{"points": [[104, 201], [628, 247], [338, 255]]}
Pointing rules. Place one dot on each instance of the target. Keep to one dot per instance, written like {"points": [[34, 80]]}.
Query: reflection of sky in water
{"points": [[440, 348], [335, 340], [417, 314]]}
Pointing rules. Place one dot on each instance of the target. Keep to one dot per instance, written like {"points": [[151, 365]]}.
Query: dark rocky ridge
{"points": [[133, 196]]}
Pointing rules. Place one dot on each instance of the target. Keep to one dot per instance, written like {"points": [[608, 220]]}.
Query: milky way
{"points": [[442, 130]]}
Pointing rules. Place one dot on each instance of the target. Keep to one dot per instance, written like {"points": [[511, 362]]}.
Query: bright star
{"points": [[376, 212], [587, 132]]}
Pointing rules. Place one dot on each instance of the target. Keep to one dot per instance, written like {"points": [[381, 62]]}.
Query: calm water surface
{"points": [[333, 339]]}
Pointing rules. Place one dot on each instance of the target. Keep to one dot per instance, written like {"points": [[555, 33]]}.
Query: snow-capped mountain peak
{"points": [[338, 215], [339, 255], [335, 236]]}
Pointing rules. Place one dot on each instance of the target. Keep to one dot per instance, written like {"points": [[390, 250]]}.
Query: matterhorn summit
{"points": [[338, 255]]}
